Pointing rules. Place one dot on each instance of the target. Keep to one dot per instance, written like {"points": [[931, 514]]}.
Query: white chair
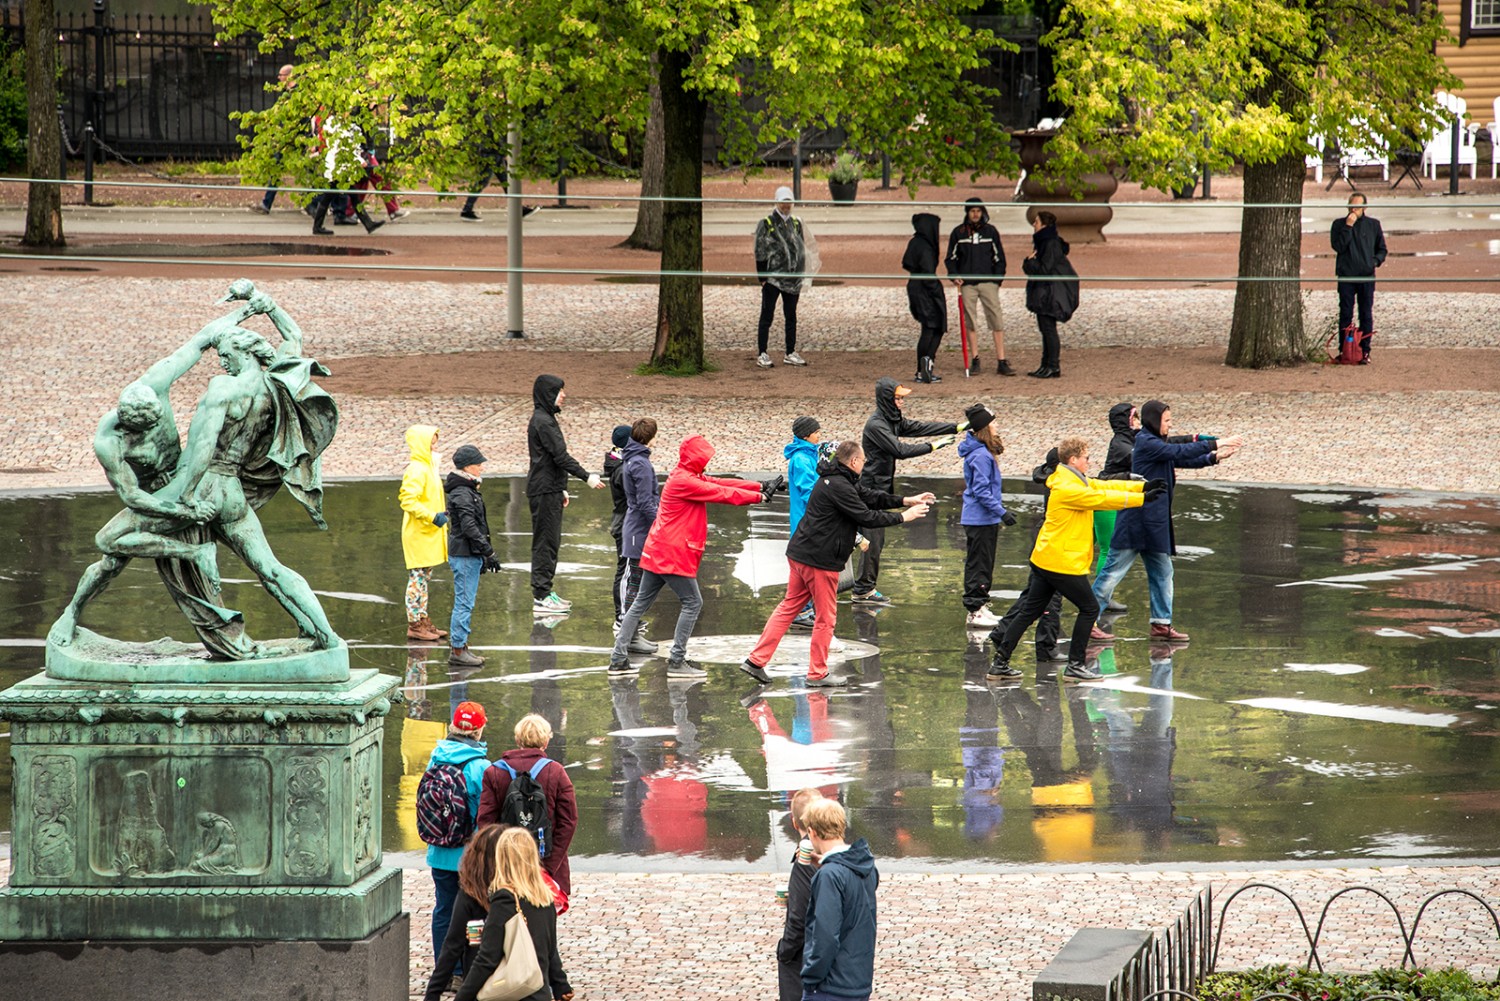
{"points": [[1438, 150], [1377, 154], [1494, 128], [1314, 161]]}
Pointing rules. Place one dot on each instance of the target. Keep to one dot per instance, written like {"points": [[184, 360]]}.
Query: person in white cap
{"points": [[780, 259]]}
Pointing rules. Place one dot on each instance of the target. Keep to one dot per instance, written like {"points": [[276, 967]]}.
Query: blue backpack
{"points": [[526, 804]]}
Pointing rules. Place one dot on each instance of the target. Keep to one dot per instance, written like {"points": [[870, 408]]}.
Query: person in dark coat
{"points": [[518, 887], [533, 734], [1146, 531], [882, 447], [638, 480], [1053, 302], [838, 506], [1359, 248], [798, 890], [924, 293], [614, 475], [469, 549], [546, 483], [838, 956], [976, 264]]}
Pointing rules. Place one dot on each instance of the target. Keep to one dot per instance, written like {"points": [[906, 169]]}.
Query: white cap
{"points": [[783, 194]]}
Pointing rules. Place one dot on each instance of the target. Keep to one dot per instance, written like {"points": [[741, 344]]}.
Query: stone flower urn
{"points": [[1078, 220]]}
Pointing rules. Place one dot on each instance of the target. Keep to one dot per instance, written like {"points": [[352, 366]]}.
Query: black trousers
{"points": [[927, 343], [869, 561], [768, 295], [1362, 293], [979, 564], [1051, 344], [1033, 602], [630, 587], [546, 538], [1047, 627]]}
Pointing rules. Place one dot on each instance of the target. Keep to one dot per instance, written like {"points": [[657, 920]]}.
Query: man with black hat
{"points": [[469, 549], [976, 264], [546, 483]]}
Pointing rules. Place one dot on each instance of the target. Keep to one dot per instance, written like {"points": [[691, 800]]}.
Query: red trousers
{"points": [[804, 582]]}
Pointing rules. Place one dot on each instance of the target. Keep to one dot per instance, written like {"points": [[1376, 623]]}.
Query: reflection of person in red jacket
{"points": [[673, 550]]}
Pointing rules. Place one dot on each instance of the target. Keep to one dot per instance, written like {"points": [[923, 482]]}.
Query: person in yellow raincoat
{"points": [[1064, 550], [424, 540]]}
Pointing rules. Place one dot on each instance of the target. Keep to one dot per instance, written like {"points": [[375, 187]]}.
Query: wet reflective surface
{"points": [[1339, 698]]}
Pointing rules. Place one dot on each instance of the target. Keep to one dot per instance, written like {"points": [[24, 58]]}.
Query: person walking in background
{"points": [[882, 447], [798, 891], [838, 957], [924, 293], [801, 473], [638, 479], [286, 83], [455, 770], [424, 542], [1359, 248], [674, 548], [976, 264], [343, 160], [533, 734], [469, 549], [614, 475], [546, 493], [1148, 533], [1060, 559], [780, 260], [1053, 302], [983, 513]]}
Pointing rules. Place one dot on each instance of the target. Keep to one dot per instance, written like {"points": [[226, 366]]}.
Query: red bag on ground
{"points": [[1347, 350]]}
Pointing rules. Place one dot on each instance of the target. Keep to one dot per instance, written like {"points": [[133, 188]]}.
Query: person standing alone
{"points": [[546, 493], [469, 550], [780, 260], [424, 543], [924, 293], [1359, 248], [976, 264], [1051, 300]]}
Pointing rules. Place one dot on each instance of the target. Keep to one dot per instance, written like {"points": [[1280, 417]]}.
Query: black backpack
{"points": [[526, 804], [443, 817]]}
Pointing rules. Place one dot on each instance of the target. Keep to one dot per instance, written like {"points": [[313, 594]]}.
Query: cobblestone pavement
{"points": [[66, 338]]}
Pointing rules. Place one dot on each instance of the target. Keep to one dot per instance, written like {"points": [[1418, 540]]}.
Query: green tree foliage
{"points": [[1169, 87], [450, 76], [12, 107]]}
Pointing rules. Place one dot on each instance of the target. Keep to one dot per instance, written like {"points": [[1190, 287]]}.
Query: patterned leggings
{"points": [[417, 579]]}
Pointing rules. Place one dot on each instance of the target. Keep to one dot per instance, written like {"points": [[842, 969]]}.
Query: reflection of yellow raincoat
{"points": [[1063, 820], [1065, 544], [418, 738], [425, 544]]}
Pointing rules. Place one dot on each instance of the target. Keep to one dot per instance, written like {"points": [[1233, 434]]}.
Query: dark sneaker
{"points": [[870, 598], [640, 645], [756, 672], [804, 621], [1000, 668], [1081, 672], [1059, 654], [462, 656], [622, 669], [469, 216], [827, 681], [1002, 367], [685, 668]]}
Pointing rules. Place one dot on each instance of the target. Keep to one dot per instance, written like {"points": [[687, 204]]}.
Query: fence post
{"points": [[1458, 124], [97, 115], [797, 166], [562, 183], [885, 172], [88, 163], [515, 325]]}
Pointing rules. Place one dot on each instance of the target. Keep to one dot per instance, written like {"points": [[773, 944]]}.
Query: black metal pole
{"points": [[88, 163], [1207, 178], [885, 172], [797, 167], [1458, 123], [562, 184], [100, 9]]}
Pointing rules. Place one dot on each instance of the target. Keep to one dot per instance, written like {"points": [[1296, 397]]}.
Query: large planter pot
{"points": [[1079, 220], [841, 191]]}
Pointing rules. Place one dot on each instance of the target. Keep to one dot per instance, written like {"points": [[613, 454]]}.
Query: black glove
{"points": [[1155, 492], [440, 519], [491, 564], [1156, 484], [1008, 519], [770, 488]]}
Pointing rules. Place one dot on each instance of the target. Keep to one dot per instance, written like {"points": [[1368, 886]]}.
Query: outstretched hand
{"points": [[914, 512], [927, 498]]}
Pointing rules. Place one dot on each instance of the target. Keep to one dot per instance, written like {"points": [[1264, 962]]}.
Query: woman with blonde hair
{"points": [[517, 885]]}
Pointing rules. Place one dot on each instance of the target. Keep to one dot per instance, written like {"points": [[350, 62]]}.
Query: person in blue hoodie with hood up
{"points": [[801, 473], [983, 513], [464, 749], [838, 952]]}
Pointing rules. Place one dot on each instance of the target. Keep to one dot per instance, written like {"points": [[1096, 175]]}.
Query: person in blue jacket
{"points": [[1146, 531], [638, 480], [463, 748], [983, 513], [801, 473], [838, 952]]}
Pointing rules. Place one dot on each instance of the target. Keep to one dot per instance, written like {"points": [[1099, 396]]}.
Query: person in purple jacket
{"points": [[983, 512], [638, 478]]}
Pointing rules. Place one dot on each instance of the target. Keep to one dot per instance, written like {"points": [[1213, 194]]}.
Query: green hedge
{"points": [[1418, 985]]}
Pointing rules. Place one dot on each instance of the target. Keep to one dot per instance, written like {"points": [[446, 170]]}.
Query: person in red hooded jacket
{"points": [[674, 548]]}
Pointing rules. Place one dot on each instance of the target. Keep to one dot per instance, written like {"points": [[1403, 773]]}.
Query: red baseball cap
{"points": [[469, 716]]}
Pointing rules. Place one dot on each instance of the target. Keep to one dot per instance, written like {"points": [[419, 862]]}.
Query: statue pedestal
{"points": [[174, 822]]}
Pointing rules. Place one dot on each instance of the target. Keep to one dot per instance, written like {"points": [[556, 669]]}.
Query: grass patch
{"points": [[1306, 985], [676, 371], [198, 168]]}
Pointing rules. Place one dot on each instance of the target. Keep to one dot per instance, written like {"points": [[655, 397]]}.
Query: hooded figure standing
{"points": [[924, 293], [976, 264], [424, 543], [1053, 302], [780, 260], [882, 447], [546, 483]]}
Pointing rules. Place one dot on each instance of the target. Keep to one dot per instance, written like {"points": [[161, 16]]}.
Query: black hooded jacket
{"points": [[1050, 257], [929, 306], [1122, 445], [882, 438], [839, 504], [614, 475], [550, 462], [974, 252], [468, 525]]}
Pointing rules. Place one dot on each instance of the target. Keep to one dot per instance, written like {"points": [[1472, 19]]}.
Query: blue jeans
{"points": [[465, 588], [445, 881], [1158, 580], [688, 595]]}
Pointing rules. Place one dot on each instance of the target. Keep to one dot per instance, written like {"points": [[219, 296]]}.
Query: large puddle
{"points": [[1339, 698]]}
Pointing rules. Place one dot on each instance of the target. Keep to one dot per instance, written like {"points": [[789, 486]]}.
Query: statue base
{"points": [[94, 658]]}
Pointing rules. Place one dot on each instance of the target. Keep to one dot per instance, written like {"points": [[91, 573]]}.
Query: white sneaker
{"points": [[550, 605], [983, 618], [794, 359], [836, 645], [764, 361]]}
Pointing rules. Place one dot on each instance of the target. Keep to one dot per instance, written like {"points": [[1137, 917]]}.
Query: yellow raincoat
{"points": [[425, 544], [1066, 542]]}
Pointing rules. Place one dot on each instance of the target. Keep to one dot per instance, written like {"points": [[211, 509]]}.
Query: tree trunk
{"points": [[647, 235], [1267, 326], [679, 306], [43, 201]]}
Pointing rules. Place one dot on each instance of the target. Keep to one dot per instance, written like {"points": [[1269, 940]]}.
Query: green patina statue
{"points": [[261, 425]]}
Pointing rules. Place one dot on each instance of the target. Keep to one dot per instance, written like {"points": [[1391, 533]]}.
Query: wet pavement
{"points": [[1338, 701]]}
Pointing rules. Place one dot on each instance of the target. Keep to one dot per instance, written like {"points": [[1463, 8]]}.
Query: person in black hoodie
{"points": [[1053, 302], [976, 264], [469, 549], [614, 466], [1359, 248], [882, 447], [924, 293], [546, 491], [1049, 626], [838, 956]]}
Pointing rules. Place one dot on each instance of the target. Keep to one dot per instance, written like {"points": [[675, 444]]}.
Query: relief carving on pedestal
{"points": [[53, 845], [218, 846], [307, 817], [141, 847], [365, 848]]}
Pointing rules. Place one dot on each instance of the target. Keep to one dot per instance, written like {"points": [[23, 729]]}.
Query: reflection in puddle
{"points": [[1373, 714], [1327, 668]]}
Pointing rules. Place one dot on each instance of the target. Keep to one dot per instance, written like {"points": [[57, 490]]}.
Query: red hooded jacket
{"points": [[677, 537]]}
